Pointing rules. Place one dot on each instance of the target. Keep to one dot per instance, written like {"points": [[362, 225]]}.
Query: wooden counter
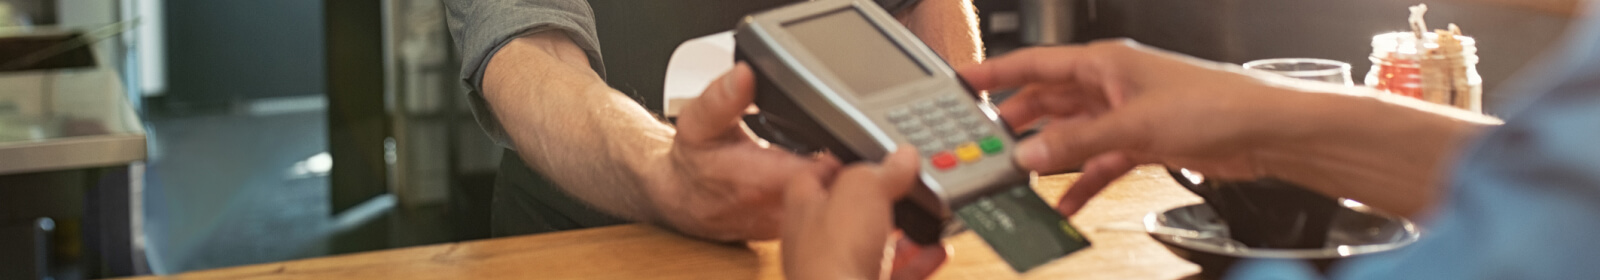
{"points": [[643, 252]]}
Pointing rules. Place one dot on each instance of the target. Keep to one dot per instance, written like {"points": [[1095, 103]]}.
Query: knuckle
{"points": [[1036, 51], [757, 196], [1137, 131], [1118, 46], [710, 175], [1071, 142], [859, 173], [1113, 43]]}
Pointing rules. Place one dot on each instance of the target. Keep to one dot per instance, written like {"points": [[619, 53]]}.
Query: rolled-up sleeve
{"points": [[481, 27]]}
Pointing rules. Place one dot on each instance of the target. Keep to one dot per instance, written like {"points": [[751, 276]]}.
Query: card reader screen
{"points": [[856, 51]]}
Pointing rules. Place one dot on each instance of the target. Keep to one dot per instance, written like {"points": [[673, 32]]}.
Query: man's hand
{"points": [[1113, 105], [725, 182], [839, 231], [708, 177], [728, 183]]}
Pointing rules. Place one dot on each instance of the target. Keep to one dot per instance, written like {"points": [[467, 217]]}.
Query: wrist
{"points": [[1309, 124], [1381, 149], [1302, 112], [670, 181], [640, 154], [660, 176]]}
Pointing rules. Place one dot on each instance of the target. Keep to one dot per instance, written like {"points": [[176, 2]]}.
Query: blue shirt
{"points": [[1525, 200]]}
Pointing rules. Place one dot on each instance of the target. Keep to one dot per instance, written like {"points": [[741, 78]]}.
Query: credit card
{"points": [[1022, 228]]}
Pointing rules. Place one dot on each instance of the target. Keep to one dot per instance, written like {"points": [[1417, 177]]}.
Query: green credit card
{"points": [[1022, 228]]}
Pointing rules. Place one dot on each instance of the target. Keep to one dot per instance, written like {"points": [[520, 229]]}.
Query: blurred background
{"points": [[163, 136]]}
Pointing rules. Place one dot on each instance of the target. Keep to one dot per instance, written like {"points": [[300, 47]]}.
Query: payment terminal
{"points": [[844, 76]]}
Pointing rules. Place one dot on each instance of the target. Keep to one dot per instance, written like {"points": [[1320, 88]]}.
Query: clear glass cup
{"points": [[1314, 69]]}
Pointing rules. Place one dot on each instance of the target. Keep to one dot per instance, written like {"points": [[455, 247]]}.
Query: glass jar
{"points": [[1397, 68]]}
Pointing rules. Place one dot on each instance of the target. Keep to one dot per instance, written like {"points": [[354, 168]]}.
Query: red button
{"points": [[944, 161]]}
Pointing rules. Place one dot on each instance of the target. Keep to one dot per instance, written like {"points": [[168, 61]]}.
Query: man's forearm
{"points": [[566, 123]]}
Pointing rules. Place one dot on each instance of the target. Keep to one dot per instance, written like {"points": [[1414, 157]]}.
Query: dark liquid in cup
{"points": [[1271, 213]]}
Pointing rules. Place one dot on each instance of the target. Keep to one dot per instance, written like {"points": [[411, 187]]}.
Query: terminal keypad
{"points": [[947, 131]]}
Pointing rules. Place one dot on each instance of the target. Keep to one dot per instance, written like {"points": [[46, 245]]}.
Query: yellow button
{"points": [[969, 152]]}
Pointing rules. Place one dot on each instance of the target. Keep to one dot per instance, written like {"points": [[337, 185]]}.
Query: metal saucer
{"points": [[1194, 233]]}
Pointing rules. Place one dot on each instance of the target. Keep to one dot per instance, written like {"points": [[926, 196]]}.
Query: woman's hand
{"points": [[1113, 105], [840, 231]]}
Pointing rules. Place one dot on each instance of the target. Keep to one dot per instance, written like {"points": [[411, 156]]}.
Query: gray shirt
{"points": [[481, 27]]}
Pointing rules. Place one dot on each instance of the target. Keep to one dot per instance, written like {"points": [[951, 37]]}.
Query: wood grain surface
{"points": [[644, 252]]}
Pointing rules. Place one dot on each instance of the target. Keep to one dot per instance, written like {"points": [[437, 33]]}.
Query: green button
{"points": [[991, 145]]}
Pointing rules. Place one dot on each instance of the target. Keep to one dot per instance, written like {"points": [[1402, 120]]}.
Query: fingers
{"points": [[825, 166], [1067, 145], [882, 184], [803, 197], [1098, 173], [1039, 101], [1032, 65], [913, 261], [899, 172], [841, 231], [716, 113], [1023, 109], [859, 185], [1077, 64]]}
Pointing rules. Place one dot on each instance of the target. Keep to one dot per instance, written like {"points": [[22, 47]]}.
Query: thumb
{"points": [[1068, 144], [866, 185], [1098, 173], [899, 172], [717, 111]]}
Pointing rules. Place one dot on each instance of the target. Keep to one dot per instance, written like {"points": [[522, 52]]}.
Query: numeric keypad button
{"points": [[944, 161], [919, 137], [924, 107], [991, 145], [909, 126], [955, 114], [969, 152], [980, 131], [899, 115], [932, 146], [956, 138], [946, 127], [971, 120], [949, 101]]}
